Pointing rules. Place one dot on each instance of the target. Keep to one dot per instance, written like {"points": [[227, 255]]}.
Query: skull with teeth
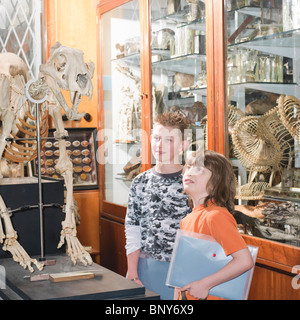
{"points": [[67, 70]]}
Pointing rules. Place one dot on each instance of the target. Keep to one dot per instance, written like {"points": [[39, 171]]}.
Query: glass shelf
{"points": [[186, 64], [275, 87], [199, 24], [132, 60], [181, 19], [288, 39], [177, 17], [202, 91], [283, 194], [249, 10]]}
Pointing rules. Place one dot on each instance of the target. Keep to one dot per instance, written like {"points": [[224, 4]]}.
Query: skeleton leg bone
{"points": [[12, 245], [65, 167], [68, 233], [9, 239], [2, 235]]}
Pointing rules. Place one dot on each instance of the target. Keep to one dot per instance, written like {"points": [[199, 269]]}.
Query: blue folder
{"points": [[196, 256]]}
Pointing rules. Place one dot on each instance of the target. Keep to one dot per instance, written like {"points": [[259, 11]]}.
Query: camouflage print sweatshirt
{"points": [[157, 205]]}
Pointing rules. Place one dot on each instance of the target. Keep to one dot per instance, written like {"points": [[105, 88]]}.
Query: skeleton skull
{"points": [[66, 69]]}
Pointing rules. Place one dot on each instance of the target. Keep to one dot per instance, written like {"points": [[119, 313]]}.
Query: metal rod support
{"points": [[25, 139], [38, 138]]}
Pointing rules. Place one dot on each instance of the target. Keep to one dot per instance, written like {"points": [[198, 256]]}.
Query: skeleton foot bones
{"points": [[20, 255], [11, 244], [74, 248], [69, 234]]}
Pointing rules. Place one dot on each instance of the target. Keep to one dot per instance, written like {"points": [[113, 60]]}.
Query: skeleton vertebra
{"points": [[263, 145], [66, 70]]}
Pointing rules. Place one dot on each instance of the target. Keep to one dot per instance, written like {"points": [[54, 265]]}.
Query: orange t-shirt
{"points": [[217, 222]]}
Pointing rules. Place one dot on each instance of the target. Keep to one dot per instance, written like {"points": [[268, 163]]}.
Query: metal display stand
{"points": [[38, 139]]}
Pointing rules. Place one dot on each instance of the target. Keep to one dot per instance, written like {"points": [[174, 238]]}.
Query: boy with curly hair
{"points": [[156, 206]]}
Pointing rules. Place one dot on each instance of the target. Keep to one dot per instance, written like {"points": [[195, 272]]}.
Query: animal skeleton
{"points": [[289, 111], [233, 115], [65, 69], [129, 114], [263, 145]]}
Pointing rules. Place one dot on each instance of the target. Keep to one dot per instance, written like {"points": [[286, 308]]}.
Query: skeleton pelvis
{"points": [[26, 150]]}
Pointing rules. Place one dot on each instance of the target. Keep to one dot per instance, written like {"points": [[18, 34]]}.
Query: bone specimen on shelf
{"points": [[184, 80], [289, 111], [130, 109], [233, 114], [262, 105], [263, 145]]}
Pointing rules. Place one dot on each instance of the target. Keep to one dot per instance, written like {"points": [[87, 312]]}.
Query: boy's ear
{"points": [[185, 145]]}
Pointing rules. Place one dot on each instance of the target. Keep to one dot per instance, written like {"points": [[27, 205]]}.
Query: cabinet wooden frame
{"points": [[146, 84], [216, 86]]}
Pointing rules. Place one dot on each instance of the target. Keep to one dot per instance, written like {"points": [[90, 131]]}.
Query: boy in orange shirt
{"points": [[210, 183]]}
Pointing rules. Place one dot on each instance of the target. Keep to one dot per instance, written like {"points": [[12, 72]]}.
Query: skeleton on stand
{"points": [[65, 69]]}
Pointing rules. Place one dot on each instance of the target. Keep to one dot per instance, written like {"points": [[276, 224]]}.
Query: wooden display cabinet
{"points": [[127, 49], [263, 64], [88, 230]]}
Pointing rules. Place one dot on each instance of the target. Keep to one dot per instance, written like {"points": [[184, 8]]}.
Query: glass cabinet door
{"points": [[178, 75], [263, 60], [121, 100], [178, 49]]}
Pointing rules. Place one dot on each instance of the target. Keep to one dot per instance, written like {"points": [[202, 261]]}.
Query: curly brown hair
{"points": [[173, 120], [221, 186]]}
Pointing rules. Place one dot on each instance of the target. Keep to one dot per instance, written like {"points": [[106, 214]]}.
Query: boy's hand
{"points": [[134, 278], [197, 289], [138, 282]]}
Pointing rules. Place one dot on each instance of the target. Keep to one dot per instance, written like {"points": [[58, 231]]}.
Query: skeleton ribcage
{"points": [[26, 150]]}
